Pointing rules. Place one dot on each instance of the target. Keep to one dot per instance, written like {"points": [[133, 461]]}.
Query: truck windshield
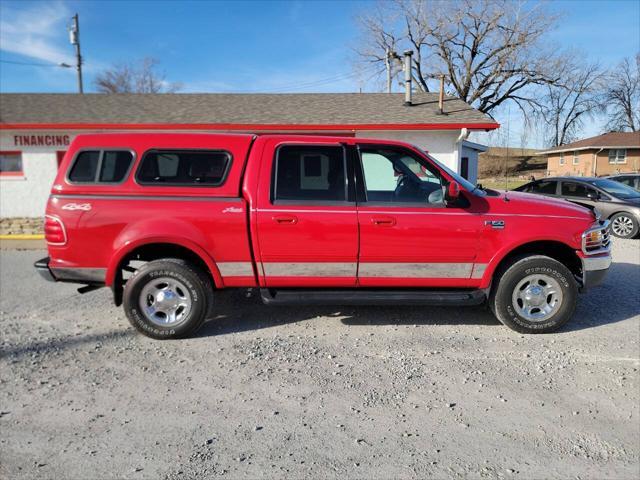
{"points": [[466, 184], [615, 188]]}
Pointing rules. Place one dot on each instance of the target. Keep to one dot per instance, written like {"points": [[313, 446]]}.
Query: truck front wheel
{"points": [[167, 298], [534, 294]]}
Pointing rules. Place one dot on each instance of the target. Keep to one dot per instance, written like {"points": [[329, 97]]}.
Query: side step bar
{"points": [[301, 296]]}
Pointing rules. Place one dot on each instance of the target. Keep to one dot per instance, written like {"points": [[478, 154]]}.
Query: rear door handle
{"points": [[383, 221], [285, 219]]}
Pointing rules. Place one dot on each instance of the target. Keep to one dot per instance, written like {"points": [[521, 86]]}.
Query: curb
{"points": [[22, 237]]}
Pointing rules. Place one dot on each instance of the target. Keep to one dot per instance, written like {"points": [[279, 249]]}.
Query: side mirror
{"points": [[453, 191], [591, 195]]}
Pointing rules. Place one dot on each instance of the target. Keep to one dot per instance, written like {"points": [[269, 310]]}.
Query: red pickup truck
{"points": [[166, 220]]}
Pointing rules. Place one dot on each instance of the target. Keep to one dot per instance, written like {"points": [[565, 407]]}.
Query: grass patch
{"points": [[496, 184]]}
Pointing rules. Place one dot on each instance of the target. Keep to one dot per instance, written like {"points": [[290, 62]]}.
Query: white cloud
{"points": [[38, 32]]}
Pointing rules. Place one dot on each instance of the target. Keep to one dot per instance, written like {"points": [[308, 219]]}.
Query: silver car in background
{"points": [[629, 179], [615, 201]]}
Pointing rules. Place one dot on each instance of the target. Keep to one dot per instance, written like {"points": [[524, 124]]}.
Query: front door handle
{"points": [[383, 221], [285, 219]]}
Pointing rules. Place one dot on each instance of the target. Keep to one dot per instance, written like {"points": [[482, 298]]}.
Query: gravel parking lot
{"points": [[324, 392]]}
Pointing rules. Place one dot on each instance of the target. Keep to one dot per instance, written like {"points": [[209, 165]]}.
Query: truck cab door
{"points": [[307, 225], [409, 236]]}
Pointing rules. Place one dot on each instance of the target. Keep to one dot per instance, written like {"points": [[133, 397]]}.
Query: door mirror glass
{"points": [[453, 191], [593, 195]]}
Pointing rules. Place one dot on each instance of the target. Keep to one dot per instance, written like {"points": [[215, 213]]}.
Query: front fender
{"points": [[504, 251]]}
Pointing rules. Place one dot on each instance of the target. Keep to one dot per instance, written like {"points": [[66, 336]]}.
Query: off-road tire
{"points": [[196, 281], [630, 220], [506, 279]]}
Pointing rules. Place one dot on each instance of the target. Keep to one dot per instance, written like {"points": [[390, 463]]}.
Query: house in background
{"points": [[36, 129], [607, 154]]}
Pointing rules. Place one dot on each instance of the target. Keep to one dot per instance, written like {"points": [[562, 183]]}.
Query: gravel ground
{"points": [[284, 392]]}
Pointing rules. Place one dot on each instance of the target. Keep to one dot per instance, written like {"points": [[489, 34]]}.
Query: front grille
{"points": [[599, 243]]}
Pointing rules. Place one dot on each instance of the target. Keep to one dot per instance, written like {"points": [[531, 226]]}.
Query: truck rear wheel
{"points": [[534, 294], [167, 298]]}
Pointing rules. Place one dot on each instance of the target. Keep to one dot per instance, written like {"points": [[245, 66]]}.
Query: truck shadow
{"points": [[614, 301], [234, 314]]}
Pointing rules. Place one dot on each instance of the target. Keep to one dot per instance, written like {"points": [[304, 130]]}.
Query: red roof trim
{"points": [[245, 126]]}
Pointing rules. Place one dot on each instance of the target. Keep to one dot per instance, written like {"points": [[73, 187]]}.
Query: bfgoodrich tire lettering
{"points": [[503, 301], [188, 277]]}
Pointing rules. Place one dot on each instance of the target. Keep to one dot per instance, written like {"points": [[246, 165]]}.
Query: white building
{"points": [[36, 129]]}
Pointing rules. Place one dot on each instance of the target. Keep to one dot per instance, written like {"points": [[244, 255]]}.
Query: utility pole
{"points": [[74, 39]]}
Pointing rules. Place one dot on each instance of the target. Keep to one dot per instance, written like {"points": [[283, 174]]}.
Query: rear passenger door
{"points": [[306, 218]]}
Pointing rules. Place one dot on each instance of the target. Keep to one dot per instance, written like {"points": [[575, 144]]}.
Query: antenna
{"points": [[506, 161]]}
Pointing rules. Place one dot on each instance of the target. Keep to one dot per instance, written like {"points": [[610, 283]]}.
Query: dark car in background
{"points": [[615, 201], [629, 179]]}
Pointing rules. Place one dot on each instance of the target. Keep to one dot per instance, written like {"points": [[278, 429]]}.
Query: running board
{"points": [[360, 296]]}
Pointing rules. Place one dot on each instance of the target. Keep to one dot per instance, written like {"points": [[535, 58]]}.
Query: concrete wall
{"points": [[441, 144], [26, 195]]}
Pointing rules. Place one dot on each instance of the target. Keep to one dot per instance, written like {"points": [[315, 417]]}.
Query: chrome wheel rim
{"points": [[165, 301], [622, 226], [537, 297]]}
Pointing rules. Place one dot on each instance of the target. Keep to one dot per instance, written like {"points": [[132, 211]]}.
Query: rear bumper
{"points": [[594, 270], [87, 276], [42, 266]]}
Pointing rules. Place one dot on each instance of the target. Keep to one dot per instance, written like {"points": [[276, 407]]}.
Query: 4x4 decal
{"points": [[77, 206]]}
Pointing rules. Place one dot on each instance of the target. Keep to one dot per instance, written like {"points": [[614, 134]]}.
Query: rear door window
{"points": [[184, 167], [310, 173]]}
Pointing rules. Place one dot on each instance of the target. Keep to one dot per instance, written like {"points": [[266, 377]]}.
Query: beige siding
{"points": [[632, 163], [584, 166]]}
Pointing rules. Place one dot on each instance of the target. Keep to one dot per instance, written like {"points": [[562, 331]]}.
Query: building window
{"points": [[618, 155], [11, 164], [562, 159], [576, 158]]}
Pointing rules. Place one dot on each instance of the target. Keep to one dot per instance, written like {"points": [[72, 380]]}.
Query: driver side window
{"points": [[395, 176]]}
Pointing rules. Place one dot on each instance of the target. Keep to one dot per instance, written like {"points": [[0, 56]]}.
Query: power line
{"points": [[309, 84], [32, 64]]}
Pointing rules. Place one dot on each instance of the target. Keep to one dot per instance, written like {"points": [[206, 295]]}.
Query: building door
{"points": [[59, 156], [408, 236], [307, 227], [464, 167]]}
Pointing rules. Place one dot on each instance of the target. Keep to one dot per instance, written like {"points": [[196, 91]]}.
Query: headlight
{"points": [[596, 239]]}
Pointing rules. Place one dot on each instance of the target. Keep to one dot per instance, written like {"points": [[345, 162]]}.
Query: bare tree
{"points": [[575, 98], [490, 51], [141, 77], [622, 96]]}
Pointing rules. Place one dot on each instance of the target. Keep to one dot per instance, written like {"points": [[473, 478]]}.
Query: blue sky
{"points": [[268, 46]]}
